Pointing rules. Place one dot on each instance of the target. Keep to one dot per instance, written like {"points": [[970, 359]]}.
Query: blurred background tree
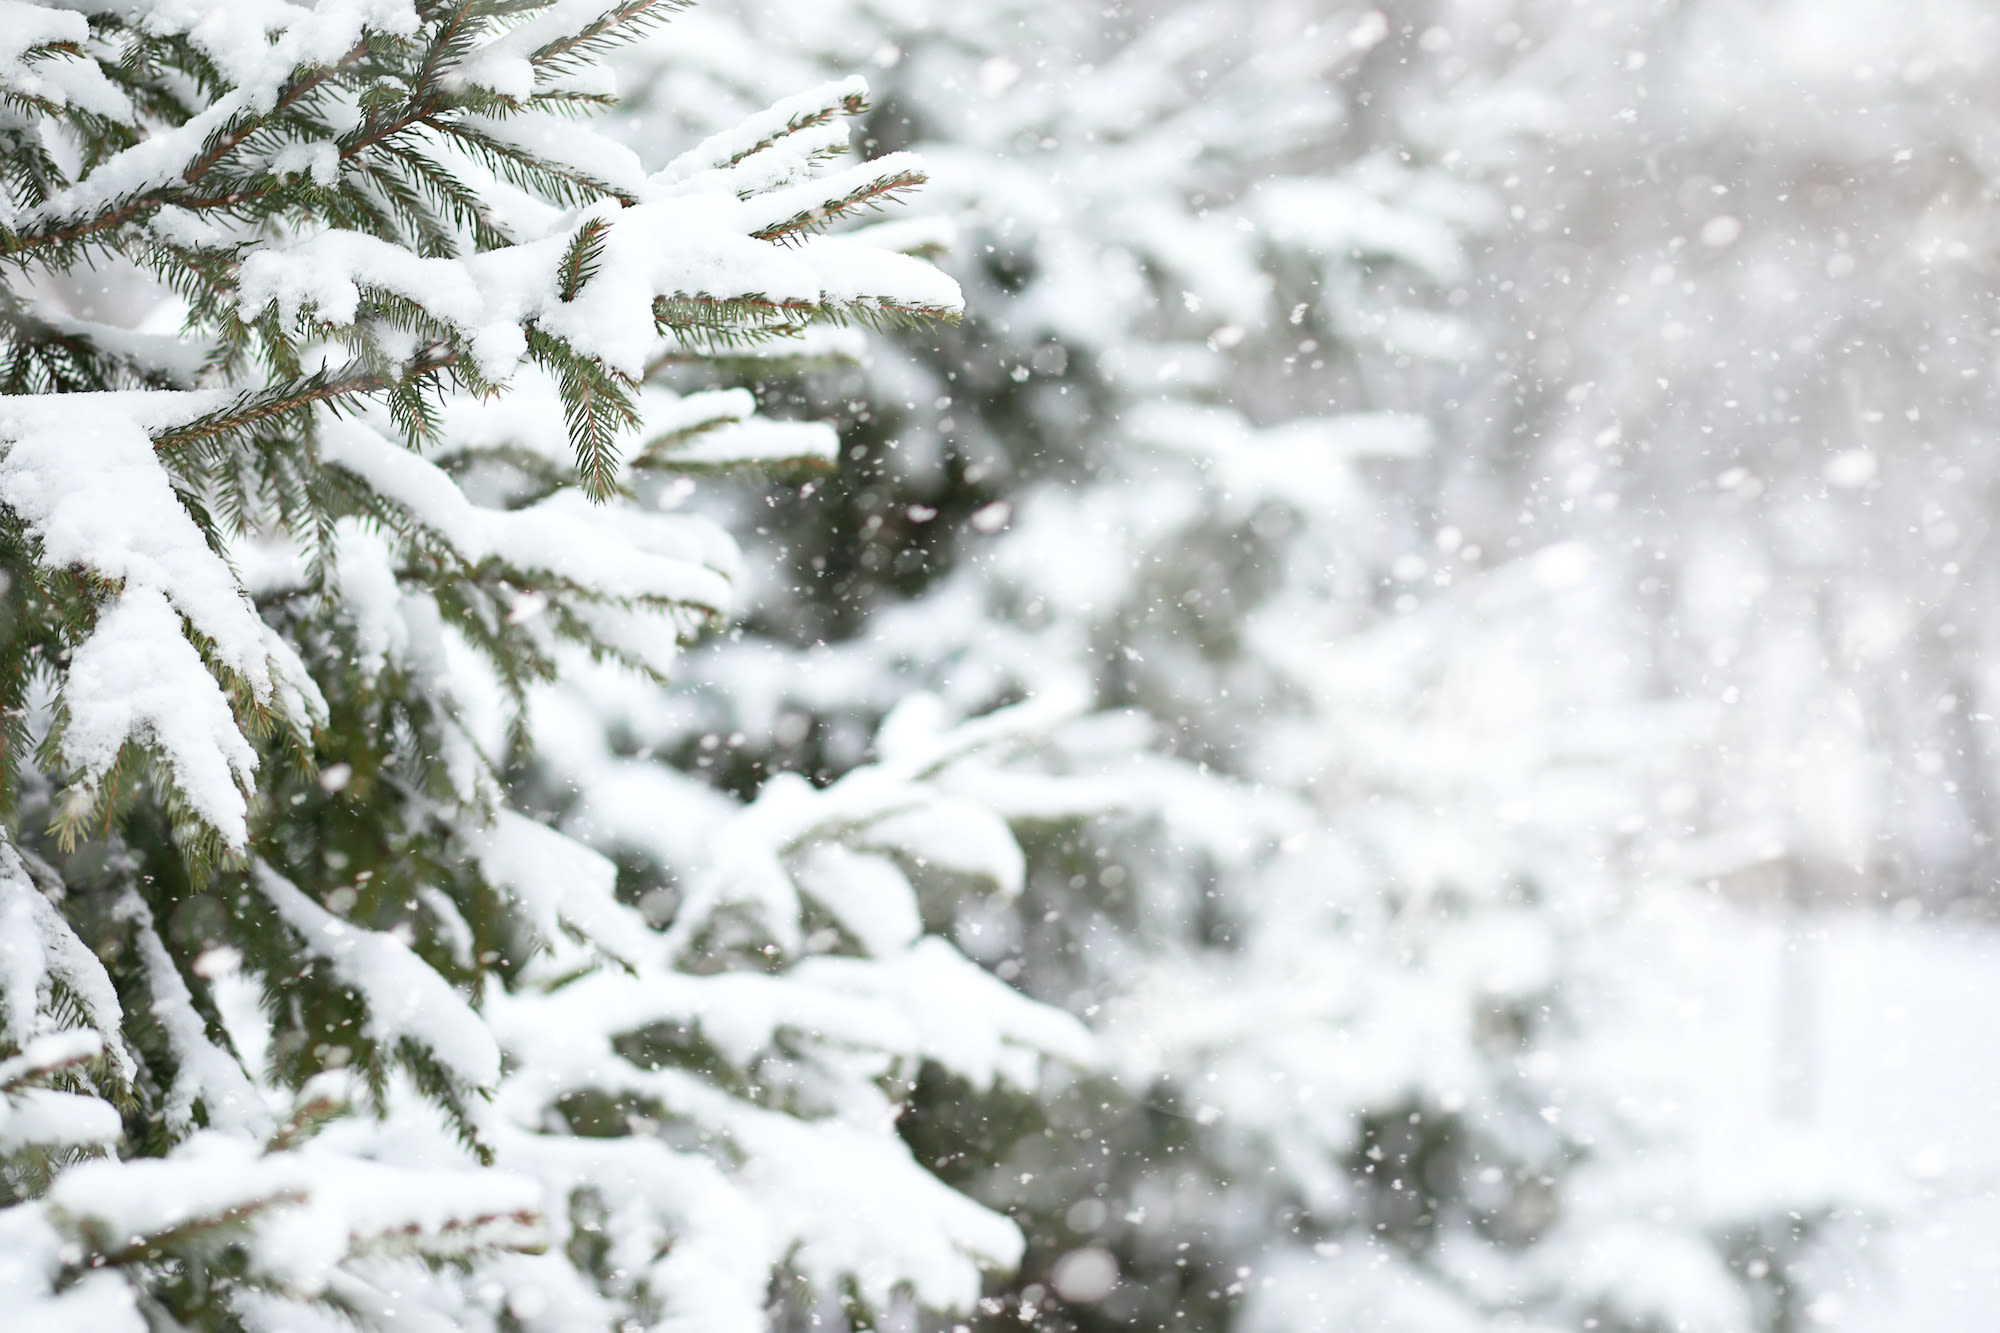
{"points": [[1244, 437]]}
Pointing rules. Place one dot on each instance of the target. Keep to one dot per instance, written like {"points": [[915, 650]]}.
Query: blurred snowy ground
{"points": [[1902, 1081]]}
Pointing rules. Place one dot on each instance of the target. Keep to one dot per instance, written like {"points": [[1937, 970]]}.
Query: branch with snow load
{"points": [[386, 259]]}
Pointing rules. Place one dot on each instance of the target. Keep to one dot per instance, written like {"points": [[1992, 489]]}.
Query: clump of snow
{"points": [[80, 472]]}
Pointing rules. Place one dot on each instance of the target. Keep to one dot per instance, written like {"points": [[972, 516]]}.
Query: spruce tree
{"points": [[331, 433], [1360, 936]]}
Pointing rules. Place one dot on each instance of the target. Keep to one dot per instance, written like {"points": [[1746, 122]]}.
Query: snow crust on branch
{"points": [[40, 951], [618, 553], [405, 999]]}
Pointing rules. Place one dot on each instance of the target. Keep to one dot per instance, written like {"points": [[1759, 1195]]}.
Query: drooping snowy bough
{"points": [[327, 439]]}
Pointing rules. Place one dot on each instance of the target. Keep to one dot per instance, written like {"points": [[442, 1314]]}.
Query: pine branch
{"points": [[306, 83], [47, 1056], [13, 243], [425, 107], [120, 1252], [452, 32], [420, 111], [854, 104], [580, 261], [522, 169], [622, 20], [597, 404], [874, 194], [728, 321], [254, 409]]}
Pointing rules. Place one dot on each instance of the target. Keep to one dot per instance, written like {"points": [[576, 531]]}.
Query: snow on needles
{"points": [[701, 246]]}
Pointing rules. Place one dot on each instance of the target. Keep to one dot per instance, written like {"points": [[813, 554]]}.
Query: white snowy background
{"points": [[1901, 1025]]}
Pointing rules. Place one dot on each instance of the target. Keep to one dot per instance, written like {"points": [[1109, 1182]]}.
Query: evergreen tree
{"points": [[332, 434], [1361, 947]]}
